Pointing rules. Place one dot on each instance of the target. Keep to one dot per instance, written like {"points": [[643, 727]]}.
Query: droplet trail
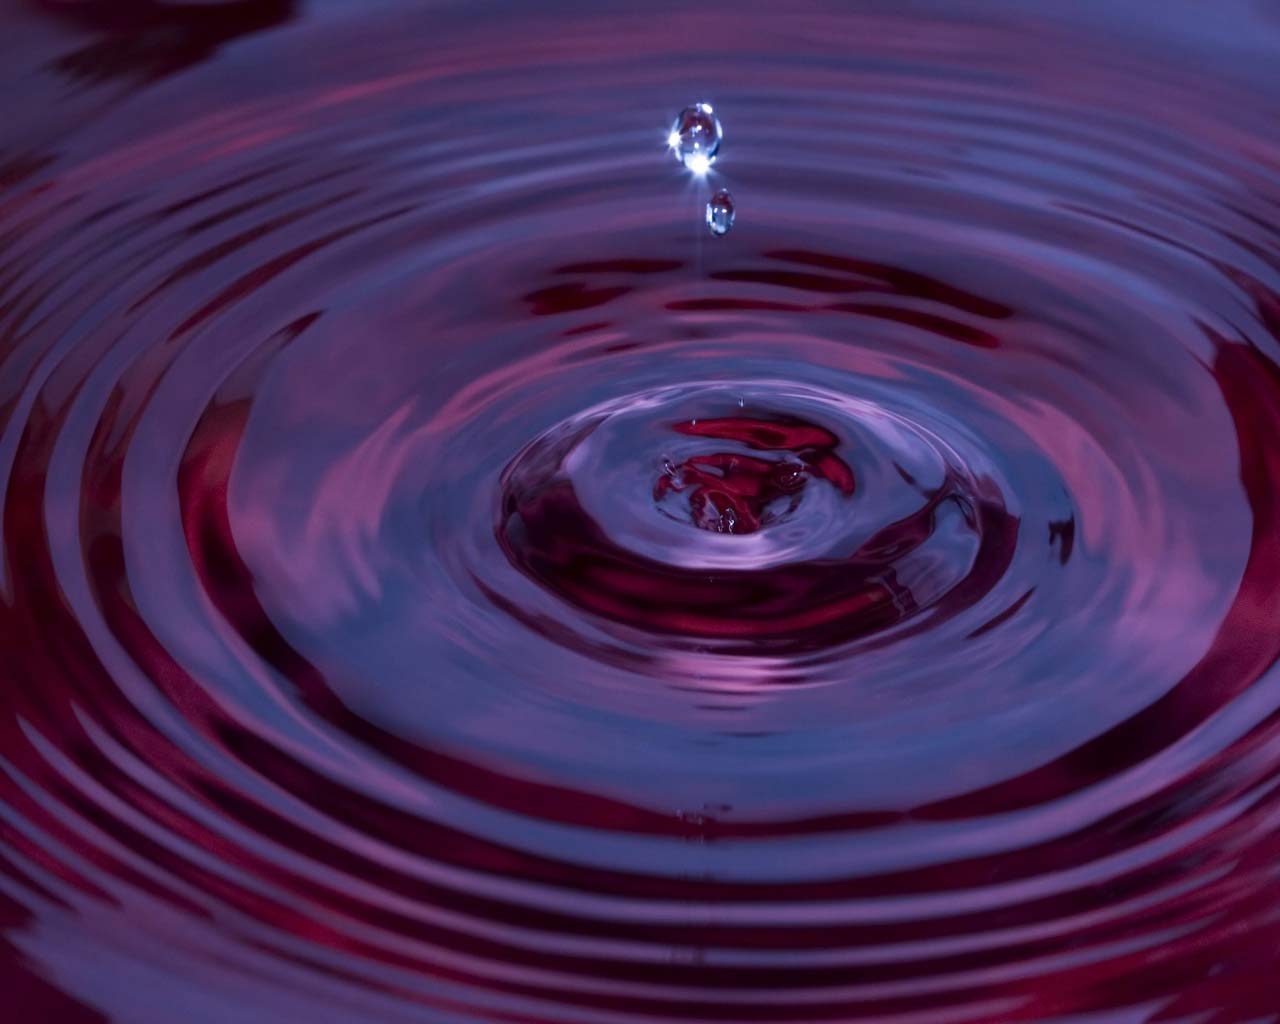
{"points": [[720, 212], [695, 137]]}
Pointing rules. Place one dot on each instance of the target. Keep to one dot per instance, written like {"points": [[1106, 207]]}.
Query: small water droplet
{"points": [[672, 479], [720, 212], [695, 137]]}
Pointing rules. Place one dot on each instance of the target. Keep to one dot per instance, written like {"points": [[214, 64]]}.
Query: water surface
{"points": [[440, 582]]}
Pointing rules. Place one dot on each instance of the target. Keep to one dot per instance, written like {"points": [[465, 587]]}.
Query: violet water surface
{"points": [[442, 582]]}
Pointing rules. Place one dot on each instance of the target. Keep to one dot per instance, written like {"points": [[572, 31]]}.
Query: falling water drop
{"points": [[695, 137], [720, 212]]}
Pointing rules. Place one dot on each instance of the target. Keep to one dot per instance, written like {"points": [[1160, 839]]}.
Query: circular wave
{"points": [[440, 582]]}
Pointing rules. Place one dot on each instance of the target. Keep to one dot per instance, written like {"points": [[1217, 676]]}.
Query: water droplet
{"points": [[720, 212], [695, 137]]}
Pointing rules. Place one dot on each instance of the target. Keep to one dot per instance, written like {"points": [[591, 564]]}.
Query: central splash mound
{"points": [[788, 552]]}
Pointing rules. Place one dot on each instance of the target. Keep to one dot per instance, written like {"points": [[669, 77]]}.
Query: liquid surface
{"points": [[439, 583]]}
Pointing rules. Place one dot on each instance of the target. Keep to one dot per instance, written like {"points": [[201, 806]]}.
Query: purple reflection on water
{"points": [[438, 583]]}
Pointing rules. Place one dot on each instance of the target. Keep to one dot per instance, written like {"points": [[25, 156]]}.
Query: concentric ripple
{"points": [[440, 583], [822, 569]]}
